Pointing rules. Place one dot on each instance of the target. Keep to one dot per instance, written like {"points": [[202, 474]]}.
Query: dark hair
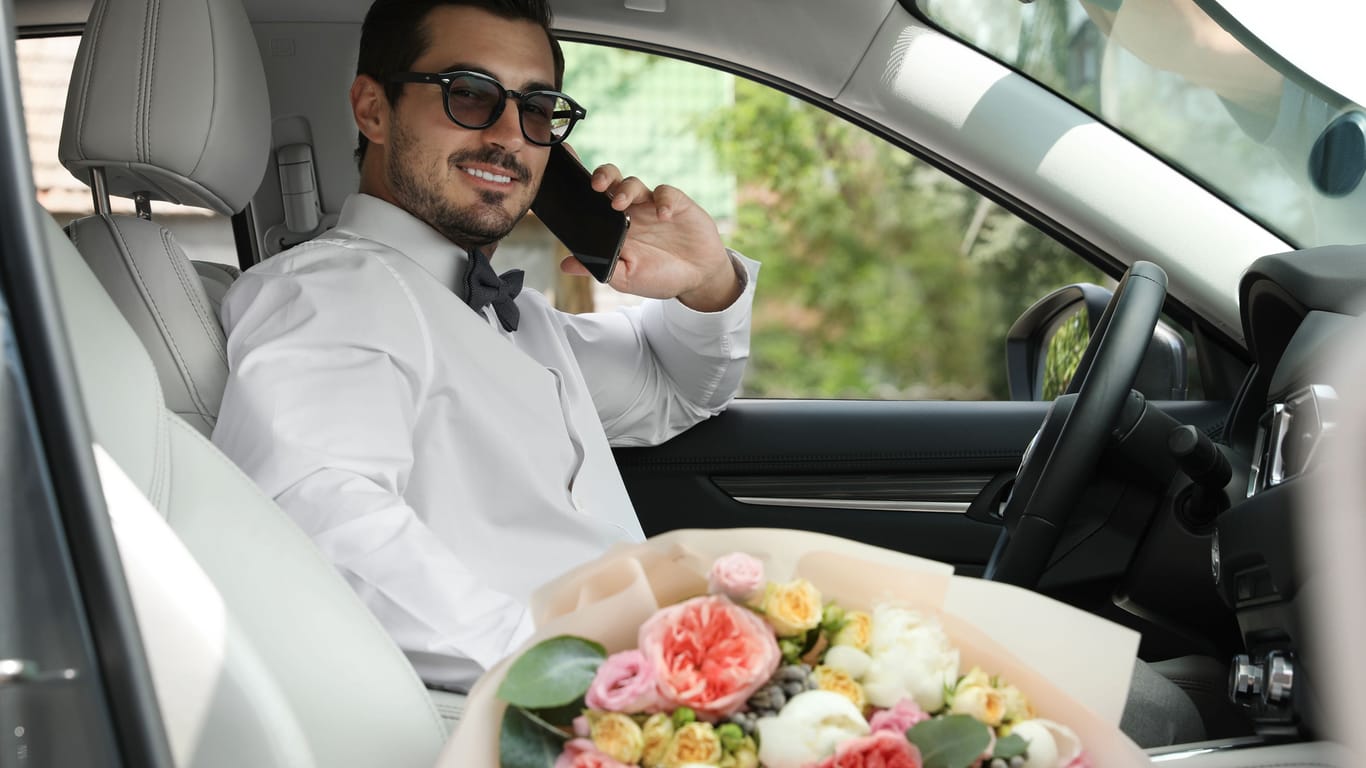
{"points": [[393, 36]]}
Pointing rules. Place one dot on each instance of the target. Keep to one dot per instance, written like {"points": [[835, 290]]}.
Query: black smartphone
{"points": [[579, 216]]}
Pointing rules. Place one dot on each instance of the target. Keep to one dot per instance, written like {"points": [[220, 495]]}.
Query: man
{"points": [[451, 457]]}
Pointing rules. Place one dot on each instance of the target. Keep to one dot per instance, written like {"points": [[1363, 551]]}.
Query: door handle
{"points": [[26, 672]]}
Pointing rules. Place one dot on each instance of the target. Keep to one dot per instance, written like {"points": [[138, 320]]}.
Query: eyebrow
{"points": [[534, 85]]}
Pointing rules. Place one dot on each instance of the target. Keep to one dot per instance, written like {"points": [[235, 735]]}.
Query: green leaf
{"points": [[552, 673], [955, 741], [522, 743], [1010, 746], [563, 716]]}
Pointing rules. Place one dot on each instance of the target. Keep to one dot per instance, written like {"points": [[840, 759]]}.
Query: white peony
{"points": [[1051, 745], [911, 656], [808, 729], [849, 660]]}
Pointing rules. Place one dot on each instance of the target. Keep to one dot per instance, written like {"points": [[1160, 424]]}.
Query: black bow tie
{"points": [[483, 286]]}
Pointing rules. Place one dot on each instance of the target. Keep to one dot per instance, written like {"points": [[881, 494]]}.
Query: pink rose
{"points": [[882, 749], [899, 718], [709, 654], [625, 683], [1082, 760], [737, 576], [580, 753]]}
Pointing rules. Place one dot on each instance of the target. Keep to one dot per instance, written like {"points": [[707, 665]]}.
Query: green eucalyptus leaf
{"points": [[523, 743], [563, 717], [955, 741], [1010, 746], [552, 673]]}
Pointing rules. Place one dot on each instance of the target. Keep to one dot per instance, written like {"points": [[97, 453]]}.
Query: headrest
{"points": [[169, 97]]}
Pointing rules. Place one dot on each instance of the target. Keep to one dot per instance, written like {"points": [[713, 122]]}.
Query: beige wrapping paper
{"points": [[1074, 667]]}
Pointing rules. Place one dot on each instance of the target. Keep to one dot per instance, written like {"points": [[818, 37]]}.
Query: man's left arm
{"points": [[660, 368]]}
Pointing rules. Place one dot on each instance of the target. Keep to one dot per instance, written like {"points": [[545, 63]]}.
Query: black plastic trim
{"points": [[27, 281]]}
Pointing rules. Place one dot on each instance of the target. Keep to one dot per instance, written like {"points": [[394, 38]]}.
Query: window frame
{"points": [[63, 433]]}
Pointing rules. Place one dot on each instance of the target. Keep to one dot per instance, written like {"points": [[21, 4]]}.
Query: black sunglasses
{"points": [[474, 100]]}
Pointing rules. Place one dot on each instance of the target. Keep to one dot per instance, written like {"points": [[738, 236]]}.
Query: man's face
{"points": [[473, 186]]}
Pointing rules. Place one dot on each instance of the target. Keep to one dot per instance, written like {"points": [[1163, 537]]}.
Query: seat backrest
{"points": [[261, 654], [167, 102]]}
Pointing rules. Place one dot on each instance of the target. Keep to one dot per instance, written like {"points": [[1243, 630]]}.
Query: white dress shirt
{"points": [[446, 466]]}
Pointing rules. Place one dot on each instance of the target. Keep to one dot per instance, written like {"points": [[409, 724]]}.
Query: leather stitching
{"points": [[139, 115], [88, 73], [192, 287], [213, 96], [162, 325]]}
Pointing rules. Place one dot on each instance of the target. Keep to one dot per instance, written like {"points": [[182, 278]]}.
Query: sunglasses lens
{"points": [[546, 117], [473, 100]]}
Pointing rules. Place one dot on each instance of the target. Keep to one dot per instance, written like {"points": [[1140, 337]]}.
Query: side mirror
{"points": [[1046, 343]]}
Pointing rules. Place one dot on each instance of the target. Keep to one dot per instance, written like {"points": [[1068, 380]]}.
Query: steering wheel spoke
{"points": [[1077, 429]]}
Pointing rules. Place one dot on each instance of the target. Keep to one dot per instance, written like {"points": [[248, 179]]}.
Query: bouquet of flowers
{"points": [[750, 662]]}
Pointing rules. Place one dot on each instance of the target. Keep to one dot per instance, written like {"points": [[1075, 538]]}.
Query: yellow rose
{"points": [[658, 732], [618, 736], [792, 608], [695, 742], [857, 630], [839, 681]]}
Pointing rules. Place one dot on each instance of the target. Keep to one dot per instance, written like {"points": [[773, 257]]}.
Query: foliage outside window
{"points": [[882, 277]]}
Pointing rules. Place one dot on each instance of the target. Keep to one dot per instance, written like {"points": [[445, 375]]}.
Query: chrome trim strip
{"points": [[871, 505]]}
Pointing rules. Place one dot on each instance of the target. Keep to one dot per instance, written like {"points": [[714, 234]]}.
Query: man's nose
{"points": [[506, 131]]}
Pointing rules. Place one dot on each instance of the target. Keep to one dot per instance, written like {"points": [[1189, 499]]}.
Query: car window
{"points": [[883, 277], [44, 72]]}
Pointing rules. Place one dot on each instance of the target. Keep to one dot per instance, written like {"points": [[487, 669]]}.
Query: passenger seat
{"points": [[261, 654], [167, 102]]}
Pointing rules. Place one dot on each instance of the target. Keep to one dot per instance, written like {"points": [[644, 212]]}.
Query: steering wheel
{"points": [[1061, 458]]}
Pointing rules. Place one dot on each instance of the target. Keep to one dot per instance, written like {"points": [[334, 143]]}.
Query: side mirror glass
{"points": [[1045, 345]]}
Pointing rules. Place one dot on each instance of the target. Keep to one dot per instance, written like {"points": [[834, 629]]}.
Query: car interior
{"points": [[257, 651]]}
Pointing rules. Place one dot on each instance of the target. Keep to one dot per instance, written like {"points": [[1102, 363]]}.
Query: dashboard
{"points": [[1297, 308]]}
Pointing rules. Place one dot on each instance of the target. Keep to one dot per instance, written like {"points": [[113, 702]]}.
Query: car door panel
{"points": [[903, 475]]}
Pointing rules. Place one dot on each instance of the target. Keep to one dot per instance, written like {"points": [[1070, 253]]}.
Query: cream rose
{"points": [[695, 742], [975, 696], [839, 681], [808, 729], [657, 732], [792, 608], [911, 656], [617, 736], [856, 632]]}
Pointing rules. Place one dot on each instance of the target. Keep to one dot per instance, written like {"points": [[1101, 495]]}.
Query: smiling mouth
{"points": [[488, 176]]}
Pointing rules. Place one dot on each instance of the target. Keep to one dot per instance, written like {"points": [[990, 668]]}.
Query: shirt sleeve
{"points": [[327, 372], [659, 368]]}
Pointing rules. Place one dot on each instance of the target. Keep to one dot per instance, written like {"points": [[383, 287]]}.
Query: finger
{"points": [[605, 177], [631, 191], [571, 266], [670, 200]]}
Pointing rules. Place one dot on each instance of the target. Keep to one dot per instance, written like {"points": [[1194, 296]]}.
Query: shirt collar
{"points": [[374, 219]]}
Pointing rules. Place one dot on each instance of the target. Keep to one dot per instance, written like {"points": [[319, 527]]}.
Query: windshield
{"points": [[1284, 149]]}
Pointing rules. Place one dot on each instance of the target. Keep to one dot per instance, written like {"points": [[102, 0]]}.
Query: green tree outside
{"points": [[882, 277]]}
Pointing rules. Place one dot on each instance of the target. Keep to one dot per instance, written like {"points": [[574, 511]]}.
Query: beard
{"points": [[425, 196]]}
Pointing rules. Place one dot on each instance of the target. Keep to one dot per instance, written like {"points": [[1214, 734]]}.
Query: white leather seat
{"points": [[267, 657], [167, 102]]}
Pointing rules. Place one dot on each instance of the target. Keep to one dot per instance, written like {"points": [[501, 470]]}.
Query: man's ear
{"points": [[370, 108]]}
